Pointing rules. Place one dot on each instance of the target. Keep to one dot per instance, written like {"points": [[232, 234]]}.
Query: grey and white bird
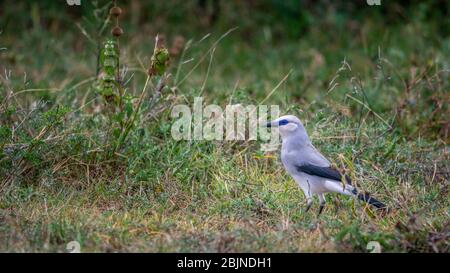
{"points": [[309, 168]]}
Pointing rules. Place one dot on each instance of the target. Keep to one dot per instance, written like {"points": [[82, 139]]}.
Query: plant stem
{"points": [[130, 122]]}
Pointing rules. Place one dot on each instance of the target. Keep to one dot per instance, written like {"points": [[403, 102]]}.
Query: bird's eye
{"points": [[283, 122]]}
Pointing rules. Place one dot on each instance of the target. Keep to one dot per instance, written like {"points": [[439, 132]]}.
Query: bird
{"points": [[310, 169]]}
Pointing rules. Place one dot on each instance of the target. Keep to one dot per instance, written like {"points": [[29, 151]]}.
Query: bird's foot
{"points": [[322, 206], [308, 206]]}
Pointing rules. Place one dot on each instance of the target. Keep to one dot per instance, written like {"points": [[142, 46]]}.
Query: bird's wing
{"points": [[312, 162], [325, 172], [308, 154], [315, 155]]}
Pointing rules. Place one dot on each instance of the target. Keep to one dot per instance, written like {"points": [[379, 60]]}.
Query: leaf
{"points": [[129, 108], [116, 132]]}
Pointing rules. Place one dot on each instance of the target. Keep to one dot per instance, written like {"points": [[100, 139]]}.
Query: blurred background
{"points": [[56, 43]]}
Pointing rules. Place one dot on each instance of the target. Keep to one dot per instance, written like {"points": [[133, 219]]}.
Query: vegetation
{"points": [[86, 151]]}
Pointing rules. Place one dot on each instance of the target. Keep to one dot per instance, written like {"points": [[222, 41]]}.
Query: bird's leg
{"points": [[322, 202], [308, 203], [308, 195]]}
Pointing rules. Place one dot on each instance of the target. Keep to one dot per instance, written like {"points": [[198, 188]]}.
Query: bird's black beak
{"points": [[268, 124]]}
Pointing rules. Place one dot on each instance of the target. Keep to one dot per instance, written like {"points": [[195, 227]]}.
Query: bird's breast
{"points": [[288, 163]]}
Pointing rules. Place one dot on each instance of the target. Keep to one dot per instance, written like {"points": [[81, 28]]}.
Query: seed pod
{"points": [[160, 61], [115, 11], [117, 31]]}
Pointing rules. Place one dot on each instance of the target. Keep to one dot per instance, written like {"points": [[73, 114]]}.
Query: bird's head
{"points": [[289, 125]]}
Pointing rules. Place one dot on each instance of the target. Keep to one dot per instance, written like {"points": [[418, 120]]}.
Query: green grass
{"points": [[386, 121]]}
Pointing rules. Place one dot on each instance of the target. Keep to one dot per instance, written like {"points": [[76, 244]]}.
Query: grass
{"points": [[373, 102]]}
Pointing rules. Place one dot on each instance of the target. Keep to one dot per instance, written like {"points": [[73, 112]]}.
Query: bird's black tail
{"points": [[368, 199]]}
